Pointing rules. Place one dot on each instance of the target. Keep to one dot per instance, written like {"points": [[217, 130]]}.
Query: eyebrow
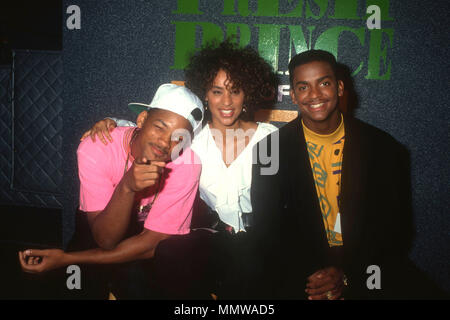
{"points": [[224, 88], [318, 80], [162, 122]]}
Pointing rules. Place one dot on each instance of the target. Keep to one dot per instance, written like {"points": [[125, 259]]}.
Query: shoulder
{"points": [[201, 136], [203, 132], [200, 142], [291, 126], [283, 133], [262, 131], [266, 128], [88, 147], [369, 133]]}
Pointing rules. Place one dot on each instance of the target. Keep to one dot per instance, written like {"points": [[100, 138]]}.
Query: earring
{"points": [[244, 109], [206, 105]]}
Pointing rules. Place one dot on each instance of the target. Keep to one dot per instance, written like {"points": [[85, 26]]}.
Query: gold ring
{"points": [[329, 295]]}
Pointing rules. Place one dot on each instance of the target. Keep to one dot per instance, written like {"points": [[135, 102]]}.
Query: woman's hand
{"points": [[101, 129], [39, 261]]}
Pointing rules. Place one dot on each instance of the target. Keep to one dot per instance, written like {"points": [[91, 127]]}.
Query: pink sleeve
{"points": [[172, 211], [96, 188]]}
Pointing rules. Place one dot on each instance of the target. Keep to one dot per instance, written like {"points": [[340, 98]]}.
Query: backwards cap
{"points": [[177, 99]]}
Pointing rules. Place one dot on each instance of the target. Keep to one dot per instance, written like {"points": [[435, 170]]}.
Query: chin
{"points": [[316, 117], [321, 118], [229, 122]]}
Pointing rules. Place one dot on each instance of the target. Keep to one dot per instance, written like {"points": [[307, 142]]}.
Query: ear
{"points": [[340, 88], [141, 118]]}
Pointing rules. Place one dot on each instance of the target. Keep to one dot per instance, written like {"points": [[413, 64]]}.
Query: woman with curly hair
{"points": [[233, 83]]}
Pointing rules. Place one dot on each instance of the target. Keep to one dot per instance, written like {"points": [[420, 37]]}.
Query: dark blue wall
{"points": [[125, 50]]}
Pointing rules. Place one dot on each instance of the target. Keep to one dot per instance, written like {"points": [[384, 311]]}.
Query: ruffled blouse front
{"points": [[227, 189]]}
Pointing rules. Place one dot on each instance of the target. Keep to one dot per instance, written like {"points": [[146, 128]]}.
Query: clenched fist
{"points": [[142, 174]]}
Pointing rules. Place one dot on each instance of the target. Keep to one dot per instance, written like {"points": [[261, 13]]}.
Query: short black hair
{"points": [[311, 56]]}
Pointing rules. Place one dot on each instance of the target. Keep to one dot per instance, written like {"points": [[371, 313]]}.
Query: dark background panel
{"points": [[31, 104], [31, 208]]}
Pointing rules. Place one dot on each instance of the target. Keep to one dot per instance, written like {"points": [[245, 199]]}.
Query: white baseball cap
{"points": [[177, 99]]}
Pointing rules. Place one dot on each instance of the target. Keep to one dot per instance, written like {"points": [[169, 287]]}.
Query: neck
{"points": [[236, 125], [133, 146], [324, 127]]}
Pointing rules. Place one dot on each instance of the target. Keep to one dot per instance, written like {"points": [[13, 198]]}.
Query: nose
{"points": [[227, 100], [164, 141], [314, 92]]}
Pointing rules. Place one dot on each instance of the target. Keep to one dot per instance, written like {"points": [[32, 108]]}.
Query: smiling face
{"points": [[316, 90], [224, 102], [157, 127]]}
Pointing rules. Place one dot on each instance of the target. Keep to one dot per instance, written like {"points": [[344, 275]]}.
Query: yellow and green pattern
{"points": [[325, 155]]}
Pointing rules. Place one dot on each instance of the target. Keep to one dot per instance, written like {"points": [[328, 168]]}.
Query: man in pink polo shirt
{"points": [[146, 175]]}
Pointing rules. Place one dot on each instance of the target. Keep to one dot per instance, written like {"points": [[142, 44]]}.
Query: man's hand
{"points": [[101, 129], [39, 261], [325, 284], [142, 174]]}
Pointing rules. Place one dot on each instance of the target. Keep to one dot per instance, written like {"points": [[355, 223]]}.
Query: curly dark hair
{"points": [[245, 69]]}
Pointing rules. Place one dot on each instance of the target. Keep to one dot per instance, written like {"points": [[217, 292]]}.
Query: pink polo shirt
{"points": [[101, 168]]}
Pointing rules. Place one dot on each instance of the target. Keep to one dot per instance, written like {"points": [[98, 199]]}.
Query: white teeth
{"points": [[227, 112], [315, 106]]}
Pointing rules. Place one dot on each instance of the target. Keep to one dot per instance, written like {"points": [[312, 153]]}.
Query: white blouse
{"points": [[227, 189]]}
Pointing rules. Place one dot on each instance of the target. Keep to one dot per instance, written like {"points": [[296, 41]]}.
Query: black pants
{"points": [[196, 265], [183, 266], [236, 265]]}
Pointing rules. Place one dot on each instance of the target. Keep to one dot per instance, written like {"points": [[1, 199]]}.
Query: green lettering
{"points": [[323, 4], [297, 12], [269, 42], [329, 40], [187, 7], [242, 30], [345, 9], [297, 40], [185, 40], [378, 55], [229, 8], [267, 8]]}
